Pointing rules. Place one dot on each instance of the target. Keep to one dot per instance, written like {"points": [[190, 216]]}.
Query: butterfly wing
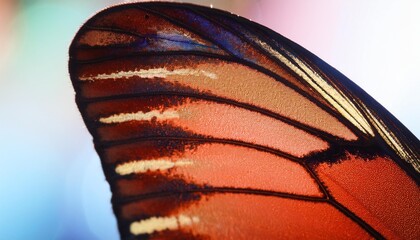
{"points": [[211, 126]]}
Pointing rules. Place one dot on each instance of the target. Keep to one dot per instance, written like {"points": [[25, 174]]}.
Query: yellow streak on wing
{"points": [[345, 106], [403, 151], [158, 224], [150, 73], [140, 116], [338, 100], [142, 166]]}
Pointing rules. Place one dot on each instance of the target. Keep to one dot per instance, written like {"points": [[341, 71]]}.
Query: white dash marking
{"points": [[187, 221], [140, 116], [157, 224], [142, 166], [151, 73]]}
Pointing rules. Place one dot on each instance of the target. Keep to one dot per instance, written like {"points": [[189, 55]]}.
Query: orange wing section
{"points": [[388, 200], [210, 126], [242, 216], [210, 164]]}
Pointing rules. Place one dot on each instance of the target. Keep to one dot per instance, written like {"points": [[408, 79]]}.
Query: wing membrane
{"points": [[203, 119]]}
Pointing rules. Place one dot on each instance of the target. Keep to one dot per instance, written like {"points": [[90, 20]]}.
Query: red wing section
{"points": [[208, 127]]}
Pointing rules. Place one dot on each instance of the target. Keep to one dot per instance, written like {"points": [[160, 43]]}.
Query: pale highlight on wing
{"points": [[150, 73], [142, 166], [404, 151], [335, 98], [158, 224], [234, 81], [214, 120], [248, 216], [140, 116]]}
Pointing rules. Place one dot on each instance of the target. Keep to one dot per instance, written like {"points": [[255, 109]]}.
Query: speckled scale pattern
{"points": [[221, 135]]}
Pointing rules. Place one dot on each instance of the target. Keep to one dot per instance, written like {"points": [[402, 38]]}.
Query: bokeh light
{"points": [[51, 180]]}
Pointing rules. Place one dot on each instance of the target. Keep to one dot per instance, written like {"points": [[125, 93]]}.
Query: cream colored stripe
{"points": [[142, 166], [337, 99], [157, 224], [404, 151], [140, 116], [348, 110], [150, 73]]}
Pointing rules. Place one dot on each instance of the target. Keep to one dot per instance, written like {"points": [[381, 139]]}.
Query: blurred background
{"points": [[51, 182]]}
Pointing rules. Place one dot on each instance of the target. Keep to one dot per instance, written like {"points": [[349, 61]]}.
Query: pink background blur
{"points": [[51, 182]]}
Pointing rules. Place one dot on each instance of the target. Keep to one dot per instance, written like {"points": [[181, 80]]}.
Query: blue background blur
{"points": [[51, 182]]}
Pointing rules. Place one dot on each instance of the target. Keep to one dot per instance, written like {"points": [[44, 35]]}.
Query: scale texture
{"points": [[210, 126]]}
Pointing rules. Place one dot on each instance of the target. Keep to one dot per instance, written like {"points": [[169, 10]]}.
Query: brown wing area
{"points": [[203, 134]]}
